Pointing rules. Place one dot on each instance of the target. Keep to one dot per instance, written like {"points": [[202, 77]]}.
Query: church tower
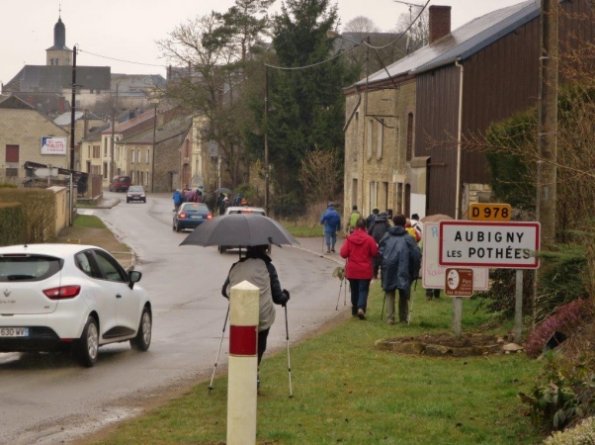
{"points": [[59, 54]]}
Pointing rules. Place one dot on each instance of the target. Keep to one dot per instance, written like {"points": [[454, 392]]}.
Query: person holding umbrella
{"points": [[257, 268]]}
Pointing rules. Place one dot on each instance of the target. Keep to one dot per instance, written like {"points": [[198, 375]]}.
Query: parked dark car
{"points": [[190, 215], [136, 193], [119, 184]]}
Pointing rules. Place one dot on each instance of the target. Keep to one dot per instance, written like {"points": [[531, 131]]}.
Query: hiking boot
{"points": [[361, 314]]}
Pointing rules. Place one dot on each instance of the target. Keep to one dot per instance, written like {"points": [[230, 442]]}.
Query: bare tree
{"points": [[214, 53], [417, 30], [321, 174], [360, 24]]}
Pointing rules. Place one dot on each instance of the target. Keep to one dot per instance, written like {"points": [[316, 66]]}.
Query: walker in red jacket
{"points": [[359, 249]]}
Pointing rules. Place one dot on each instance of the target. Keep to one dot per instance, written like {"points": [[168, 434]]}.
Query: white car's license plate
{"points": [[14, 332]]}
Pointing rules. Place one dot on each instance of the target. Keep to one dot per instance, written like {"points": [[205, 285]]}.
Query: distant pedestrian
{"points": [[401, 260], [416, 224], [377, 231], [359, 249], [411, 231], [178, 199], [332, 224], [188, 195], [355, 215], [371, 218]]}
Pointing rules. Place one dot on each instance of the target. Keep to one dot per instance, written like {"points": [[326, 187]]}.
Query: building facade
{"points": [[28, 135]]}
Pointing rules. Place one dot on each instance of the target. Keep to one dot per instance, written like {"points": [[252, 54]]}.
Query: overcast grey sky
{"points": [[128, 29]]}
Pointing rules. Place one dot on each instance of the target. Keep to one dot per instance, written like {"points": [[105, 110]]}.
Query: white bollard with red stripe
{"points": [[242, 364]]}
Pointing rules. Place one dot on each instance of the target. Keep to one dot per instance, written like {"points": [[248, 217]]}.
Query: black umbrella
{"points": [[239, 230], [222, 190]]}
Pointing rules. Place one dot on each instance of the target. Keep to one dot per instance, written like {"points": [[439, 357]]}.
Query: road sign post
{"points": [[458, 283]]}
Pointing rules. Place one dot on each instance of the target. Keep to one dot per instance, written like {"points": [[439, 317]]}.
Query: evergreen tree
{"points": [[305, 95]]}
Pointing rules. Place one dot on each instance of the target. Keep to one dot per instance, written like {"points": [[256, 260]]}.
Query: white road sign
{"points": [[433, 274], [510, 245]]}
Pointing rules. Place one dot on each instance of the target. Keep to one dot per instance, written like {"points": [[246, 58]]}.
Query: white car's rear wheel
{"points": [[87, 347]]}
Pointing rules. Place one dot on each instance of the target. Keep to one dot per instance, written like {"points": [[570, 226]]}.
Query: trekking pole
{"points": [[219, 351], [345, 295], [382, 311], [410, 302], [339, 296], [288, 356]]}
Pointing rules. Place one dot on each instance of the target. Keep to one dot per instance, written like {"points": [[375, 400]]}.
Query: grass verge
{"points": [[348, 392], [89, 229]]}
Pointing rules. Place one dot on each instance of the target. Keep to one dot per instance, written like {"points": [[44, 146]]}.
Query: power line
{"points": [[402, 33], [363, 42], [121, 60]]}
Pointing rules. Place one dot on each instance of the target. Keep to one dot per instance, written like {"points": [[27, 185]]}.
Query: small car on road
{"points": [[190, 215], [70, 296], [119, 183], [136, 193]]}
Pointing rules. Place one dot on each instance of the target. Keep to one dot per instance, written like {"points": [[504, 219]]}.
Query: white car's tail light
{"points": [[62, 292]]}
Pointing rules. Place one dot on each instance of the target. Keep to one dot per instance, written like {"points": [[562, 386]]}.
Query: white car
{"points": [[245, 209], [57, 296]]}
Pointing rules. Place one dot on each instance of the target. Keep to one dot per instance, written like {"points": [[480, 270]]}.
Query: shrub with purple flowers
{"points": [[563, 321]]}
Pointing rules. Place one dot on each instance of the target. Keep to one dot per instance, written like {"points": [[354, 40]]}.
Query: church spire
{"points": [[59, 53]]}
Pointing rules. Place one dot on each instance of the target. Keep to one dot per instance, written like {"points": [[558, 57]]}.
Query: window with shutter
{"points": [[12, 153]]}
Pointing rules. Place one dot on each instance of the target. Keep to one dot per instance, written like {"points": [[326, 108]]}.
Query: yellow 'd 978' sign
{"points": [[490, 212]]}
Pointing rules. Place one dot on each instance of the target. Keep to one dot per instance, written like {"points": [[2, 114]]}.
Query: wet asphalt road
{"points": [[48, 399]]}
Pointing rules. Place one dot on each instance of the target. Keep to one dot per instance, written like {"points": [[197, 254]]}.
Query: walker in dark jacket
{"points": [[332, 224], [400, 263], [379, 227]]}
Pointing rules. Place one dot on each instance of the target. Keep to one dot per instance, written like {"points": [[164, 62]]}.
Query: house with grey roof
{"points": [[26, 135], [411, 152], [48, 87]]}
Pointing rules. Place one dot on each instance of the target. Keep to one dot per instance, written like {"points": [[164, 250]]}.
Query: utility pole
{"points": [[548, 122], [112, 163], [153, 145], [266, 139], [547, 136], [73, 108], [72, 135]]}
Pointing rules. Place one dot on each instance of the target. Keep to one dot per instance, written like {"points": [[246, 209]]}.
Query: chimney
{"points": [[439, 22]]}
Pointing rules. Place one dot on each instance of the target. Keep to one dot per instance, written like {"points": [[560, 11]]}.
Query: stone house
{"points": [[28, 135], [153, 159], [462, 81]]}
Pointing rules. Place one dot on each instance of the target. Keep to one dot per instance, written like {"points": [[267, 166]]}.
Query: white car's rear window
{"points": [[20, 267]]}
